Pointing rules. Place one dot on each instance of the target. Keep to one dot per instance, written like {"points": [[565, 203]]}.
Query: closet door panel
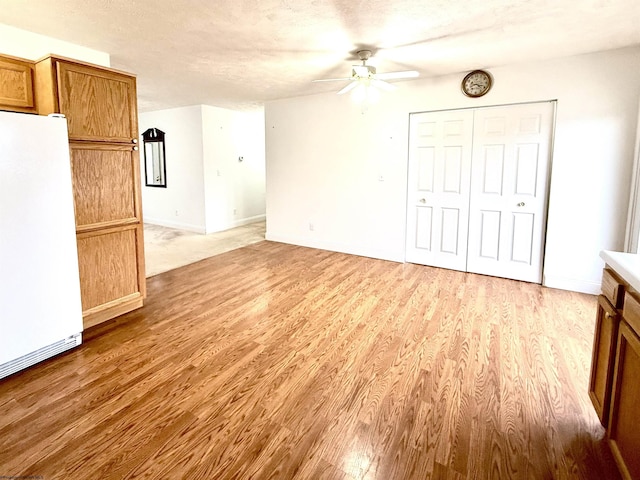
{"points": [[509, 181], [438, 199]]}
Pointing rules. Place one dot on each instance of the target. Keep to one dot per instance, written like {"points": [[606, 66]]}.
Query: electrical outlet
{"points": [[311, 227], [235, 212], [176, 213]]}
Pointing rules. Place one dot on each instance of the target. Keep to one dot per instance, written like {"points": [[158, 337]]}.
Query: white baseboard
{"points": [[248, 220], [571, 284], [337, 247], [200, 229], [179, 225], [238, 223]]}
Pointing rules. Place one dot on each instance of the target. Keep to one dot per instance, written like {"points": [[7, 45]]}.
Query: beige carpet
{"points": [[169, 248]]}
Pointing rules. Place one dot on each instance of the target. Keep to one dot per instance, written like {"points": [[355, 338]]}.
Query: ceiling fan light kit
{"points": [[365, 79]]}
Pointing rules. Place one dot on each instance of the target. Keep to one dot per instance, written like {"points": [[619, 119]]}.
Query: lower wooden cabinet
{"points": [[111, 277], [604, 348], [614, 386], [624, 431]]}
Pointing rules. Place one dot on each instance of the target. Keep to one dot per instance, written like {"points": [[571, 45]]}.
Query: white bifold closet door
{"points": [[439, 187], [478, 182]]}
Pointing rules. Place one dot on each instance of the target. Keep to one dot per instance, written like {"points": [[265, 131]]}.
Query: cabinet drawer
{"points": [[613, 288], [604, 350], [631, 311]]}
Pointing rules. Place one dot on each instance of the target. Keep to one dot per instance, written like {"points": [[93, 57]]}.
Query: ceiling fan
{"points": [[366, 75]]}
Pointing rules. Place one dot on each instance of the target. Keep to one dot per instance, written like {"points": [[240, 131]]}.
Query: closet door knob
{"points": [[422, 200], [521, 204]]}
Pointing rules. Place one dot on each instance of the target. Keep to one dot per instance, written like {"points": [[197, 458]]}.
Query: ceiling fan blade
{"points": [[332, 79], [397, 75], [349, 87], [382, 85]]}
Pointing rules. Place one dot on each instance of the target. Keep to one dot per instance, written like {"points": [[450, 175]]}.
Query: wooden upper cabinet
{"points": [[16, 85], [108, 102], [99, 103]]}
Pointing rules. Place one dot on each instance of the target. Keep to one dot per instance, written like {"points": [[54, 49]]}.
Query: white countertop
{"points": [[627, 265]]}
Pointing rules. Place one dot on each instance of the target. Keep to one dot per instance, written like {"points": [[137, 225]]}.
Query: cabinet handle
{"points": [[135, 149], [608, 315], [134, 140]]}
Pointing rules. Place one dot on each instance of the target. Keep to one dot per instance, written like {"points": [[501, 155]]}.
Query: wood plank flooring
{"points": [[283, 362]]}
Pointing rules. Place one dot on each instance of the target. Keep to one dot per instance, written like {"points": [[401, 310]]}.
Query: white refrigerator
{"points": [[40, 308]]}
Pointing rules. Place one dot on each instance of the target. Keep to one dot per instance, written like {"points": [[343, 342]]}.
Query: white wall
{"points": [[234, 190], [345, 172], [181, 204], [206, 184], [633, 220], [32, 46]]}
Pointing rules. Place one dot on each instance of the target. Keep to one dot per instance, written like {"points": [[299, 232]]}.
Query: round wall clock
{"points": [[476, 83]]}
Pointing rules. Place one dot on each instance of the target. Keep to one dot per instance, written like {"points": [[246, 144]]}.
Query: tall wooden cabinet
{"points": [[101, 111]]}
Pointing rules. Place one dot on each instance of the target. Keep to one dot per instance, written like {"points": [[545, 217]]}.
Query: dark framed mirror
{"points": [[155, 168]]}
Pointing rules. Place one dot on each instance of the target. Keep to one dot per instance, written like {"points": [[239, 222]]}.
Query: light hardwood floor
{"points": [[277, 361]]}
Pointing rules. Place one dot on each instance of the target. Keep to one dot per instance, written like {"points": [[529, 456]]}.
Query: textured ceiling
{"points": [[240, 53]]}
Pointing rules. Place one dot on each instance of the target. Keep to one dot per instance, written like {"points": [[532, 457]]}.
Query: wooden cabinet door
{"points": [[106, 185], [111, 278], [100, 105], [624, 432], [604, 345], [16, 85]]}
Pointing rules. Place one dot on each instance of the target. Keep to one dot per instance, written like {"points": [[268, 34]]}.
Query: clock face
{"points": [[476, 83]]}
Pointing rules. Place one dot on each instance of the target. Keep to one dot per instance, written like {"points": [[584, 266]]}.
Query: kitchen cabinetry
{"points": [[101, 112], [16, 85], [624, 434], [604, 344], [614, 386]]}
